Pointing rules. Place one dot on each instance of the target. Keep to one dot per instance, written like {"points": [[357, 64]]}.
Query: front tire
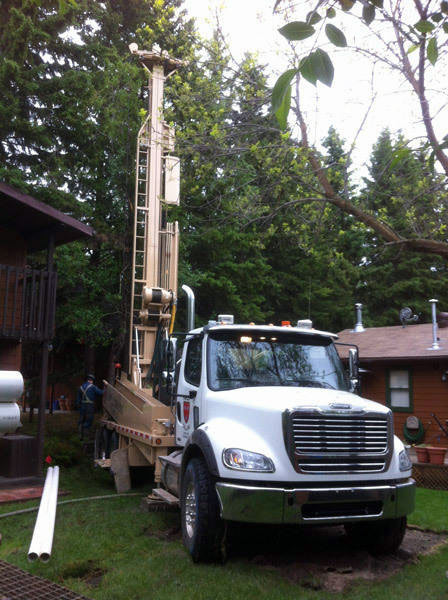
{"points": [[202, 527], [378, 537]]}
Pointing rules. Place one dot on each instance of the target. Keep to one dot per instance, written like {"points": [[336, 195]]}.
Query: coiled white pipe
{"points": [[11, 388], [42, 539]]}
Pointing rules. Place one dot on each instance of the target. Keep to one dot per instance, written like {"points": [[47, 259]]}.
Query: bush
{"points": [[65, 452]]}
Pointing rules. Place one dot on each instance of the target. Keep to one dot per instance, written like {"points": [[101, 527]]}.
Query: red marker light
{"points": [[49, 460]]}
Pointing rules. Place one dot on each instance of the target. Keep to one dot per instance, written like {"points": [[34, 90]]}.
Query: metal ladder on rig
{"points": [[141, 215]]}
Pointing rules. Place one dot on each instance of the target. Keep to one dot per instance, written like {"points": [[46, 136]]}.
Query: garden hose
{"points": [[414, 436], [34, 508]]}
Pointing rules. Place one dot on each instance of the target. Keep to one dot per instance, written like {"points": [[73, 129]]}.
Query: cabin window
{"points": [[399, 390], [193, 361]]}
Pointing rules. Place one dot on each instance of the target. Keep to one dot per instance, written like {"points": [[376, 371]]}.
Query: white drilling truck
{"points": [[253, 423]]}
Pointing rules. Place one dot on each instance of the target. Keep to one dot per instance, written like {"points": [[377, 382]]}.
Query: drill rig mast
{"points": [[155, 241], [137, 426]]}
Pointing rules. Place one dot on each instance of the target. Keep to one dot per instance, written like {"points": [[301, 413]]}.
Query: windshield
{"points": [[245, 359]]}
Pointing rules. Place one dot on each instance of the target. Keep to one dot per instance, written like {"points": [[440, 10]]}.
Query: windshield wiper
{"points": [[311, 383]]}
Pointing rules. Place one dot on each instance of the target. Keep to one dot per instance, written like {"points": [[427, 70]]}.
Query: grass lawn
{"points": [[110, 549]]}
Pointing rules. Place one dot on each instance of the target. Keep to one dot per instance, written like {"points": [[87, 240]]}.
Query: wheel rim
{"points": [[190, 510]]}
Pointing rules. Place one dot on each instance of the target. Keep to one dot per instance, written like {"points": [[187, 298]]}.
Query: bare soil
{"points": [[322, 558]]}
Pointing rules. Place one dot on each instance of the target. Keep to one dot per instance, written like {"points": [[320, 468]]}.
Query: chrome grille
{"points": [[322, 442]]}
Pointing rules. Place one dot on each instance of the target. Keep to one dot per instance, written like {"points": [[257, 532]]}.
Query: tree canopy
{"points": [[262, 230]]}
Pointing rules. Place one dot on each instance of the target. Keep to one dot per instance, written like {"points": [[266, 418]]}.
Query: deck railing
{"points": [[27, 303]]}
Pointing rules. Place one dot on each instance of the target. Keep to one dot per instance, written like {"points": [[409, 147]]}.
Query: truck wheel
{"points": [[202, 527], [378, 537]]}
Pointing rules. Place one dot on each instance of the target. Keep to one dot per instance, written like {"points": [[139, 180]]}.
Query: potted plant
{"points": [[422, 453], [436, 455]]}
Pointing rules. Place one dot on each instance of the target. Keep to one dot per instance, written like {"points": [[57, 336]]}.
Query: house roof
{"points": [[395, 343], [34, 220]]}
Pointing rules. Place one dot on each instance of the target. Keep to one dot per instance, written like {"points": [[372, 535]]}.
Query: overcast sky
{"points": [[250, 26]]}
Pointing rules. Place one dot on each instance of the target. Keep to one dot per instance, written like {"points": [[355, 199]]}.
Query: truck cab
{"points": [[271, 431]]}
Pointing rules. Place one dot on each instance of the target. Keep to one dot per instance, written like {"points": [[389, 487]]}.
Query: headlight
{"points": [[243, 460], [404, 461]]}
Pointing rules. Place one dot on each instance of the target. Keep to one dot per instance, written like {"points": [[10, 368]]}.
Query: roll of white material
{"points": [[9, 417], [11, 386]]}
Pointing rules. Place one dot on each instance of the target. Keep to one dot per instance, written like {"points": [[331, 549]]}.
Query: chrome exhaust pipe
{"points": [[190, 298], [435, 342]]}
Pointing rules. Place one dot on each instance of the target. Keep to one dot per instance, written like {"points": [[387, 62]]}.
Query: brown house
{"points": [[28, 296], [402, 371]]}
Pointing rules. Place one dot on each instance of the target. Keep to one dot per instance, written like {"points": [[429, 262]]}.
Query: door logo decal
{"points": [[186, 411]]}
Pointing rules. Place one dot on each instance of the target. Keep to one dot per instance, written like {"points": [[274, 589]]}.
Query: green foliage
{"points": [[432, 51], [69, 116], [281, 96], [368, 13], [335, 35], [424, 26], [317, 65], [402, 191], [297, 30]]}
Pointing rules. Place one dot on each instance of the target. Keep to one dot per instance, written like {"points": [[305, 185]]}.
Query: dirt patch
{"points": [[87, 570], [171, 534], [322, 558]]}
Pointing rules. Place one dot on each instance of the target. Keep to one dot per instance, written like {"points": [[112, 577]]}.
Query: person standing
{"points": [[85, 402]]}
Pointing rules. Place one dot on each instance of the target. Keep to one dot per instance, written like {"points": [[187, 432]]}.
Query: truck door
{"points": [[188, 400]]}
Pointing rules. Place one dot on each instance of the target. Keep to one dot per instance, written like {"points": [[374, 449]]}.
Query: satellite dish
{"points": [[133, 47], [406, 316]]}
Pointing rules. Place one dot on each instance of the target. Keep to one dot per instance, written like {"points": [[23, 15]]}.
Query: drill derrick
{"points": [[155, 242]]}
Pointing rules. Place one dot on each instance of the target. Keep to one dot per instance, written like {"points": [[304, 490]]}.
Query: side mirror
{"points": [[170, 354], [353, 368]]}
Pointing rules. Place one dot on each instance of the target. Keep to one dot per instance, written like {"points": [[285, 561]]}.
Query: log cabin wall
{"points": [[429, 394]]}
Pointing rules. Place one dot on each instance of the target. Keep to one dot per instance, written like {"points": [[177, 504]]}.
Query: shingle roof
{"points": [[395, 343], [34, 220]]}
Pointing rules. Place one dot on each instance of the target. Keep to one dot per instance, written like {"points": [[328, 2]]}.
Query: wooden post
{"points": [[44, 370]]}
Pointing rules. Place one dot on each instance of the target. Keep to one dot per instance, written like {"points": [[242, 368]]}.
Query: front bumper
{"points": [[339, 504]]}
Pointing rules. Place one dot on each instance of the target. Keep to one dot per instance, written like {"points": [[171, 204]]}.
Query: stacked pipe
{"points": [[42, 540], [11, 388]]}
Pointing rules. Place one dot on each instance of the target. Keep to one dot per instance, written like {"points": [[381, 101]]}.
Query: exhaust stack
{"points": [[435, 342], [190, 298], [359, 327]]}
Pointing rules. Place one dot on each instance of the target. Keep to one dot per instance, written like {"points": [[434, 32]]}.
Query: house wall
{"points": [[12, 252], [430, 395], [12, 248]]}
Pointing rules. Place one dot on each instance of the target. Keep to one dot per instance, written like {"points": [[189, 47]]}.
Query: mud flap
{"points": [[119, 465]]}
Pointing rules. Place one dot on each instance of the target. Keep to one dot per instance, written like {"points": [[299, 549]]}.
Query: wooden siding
{"points": [[12, 253], [12, 248], [430, 395], [10, 355]]}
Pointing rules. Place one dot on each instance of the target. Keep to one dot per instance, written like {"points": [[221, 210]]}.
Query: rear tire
{"points": [[378, 537], [202, 527]]}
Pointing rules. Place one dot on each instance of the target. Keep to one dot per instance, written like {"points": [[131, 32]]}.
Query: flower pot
{"points": [[436, 455], [422, 454]]}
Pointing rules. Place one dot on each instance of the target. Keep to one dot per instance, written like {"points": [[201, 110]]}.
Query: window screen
{"points": [[400, 389], [193, 361]]}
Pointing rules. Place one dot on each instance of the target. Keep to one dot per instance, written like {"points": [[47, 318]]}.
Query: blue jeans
{"points": [[86, 414]]}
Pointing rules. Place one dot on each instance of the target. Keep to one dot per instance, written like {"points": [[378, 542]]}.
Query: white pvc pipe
{"points": [[47, 538], [34, 549]]}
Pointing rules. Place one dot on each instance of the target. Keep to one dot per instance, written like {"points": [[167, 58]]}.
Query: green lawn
{"points": [[110, 549]]}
